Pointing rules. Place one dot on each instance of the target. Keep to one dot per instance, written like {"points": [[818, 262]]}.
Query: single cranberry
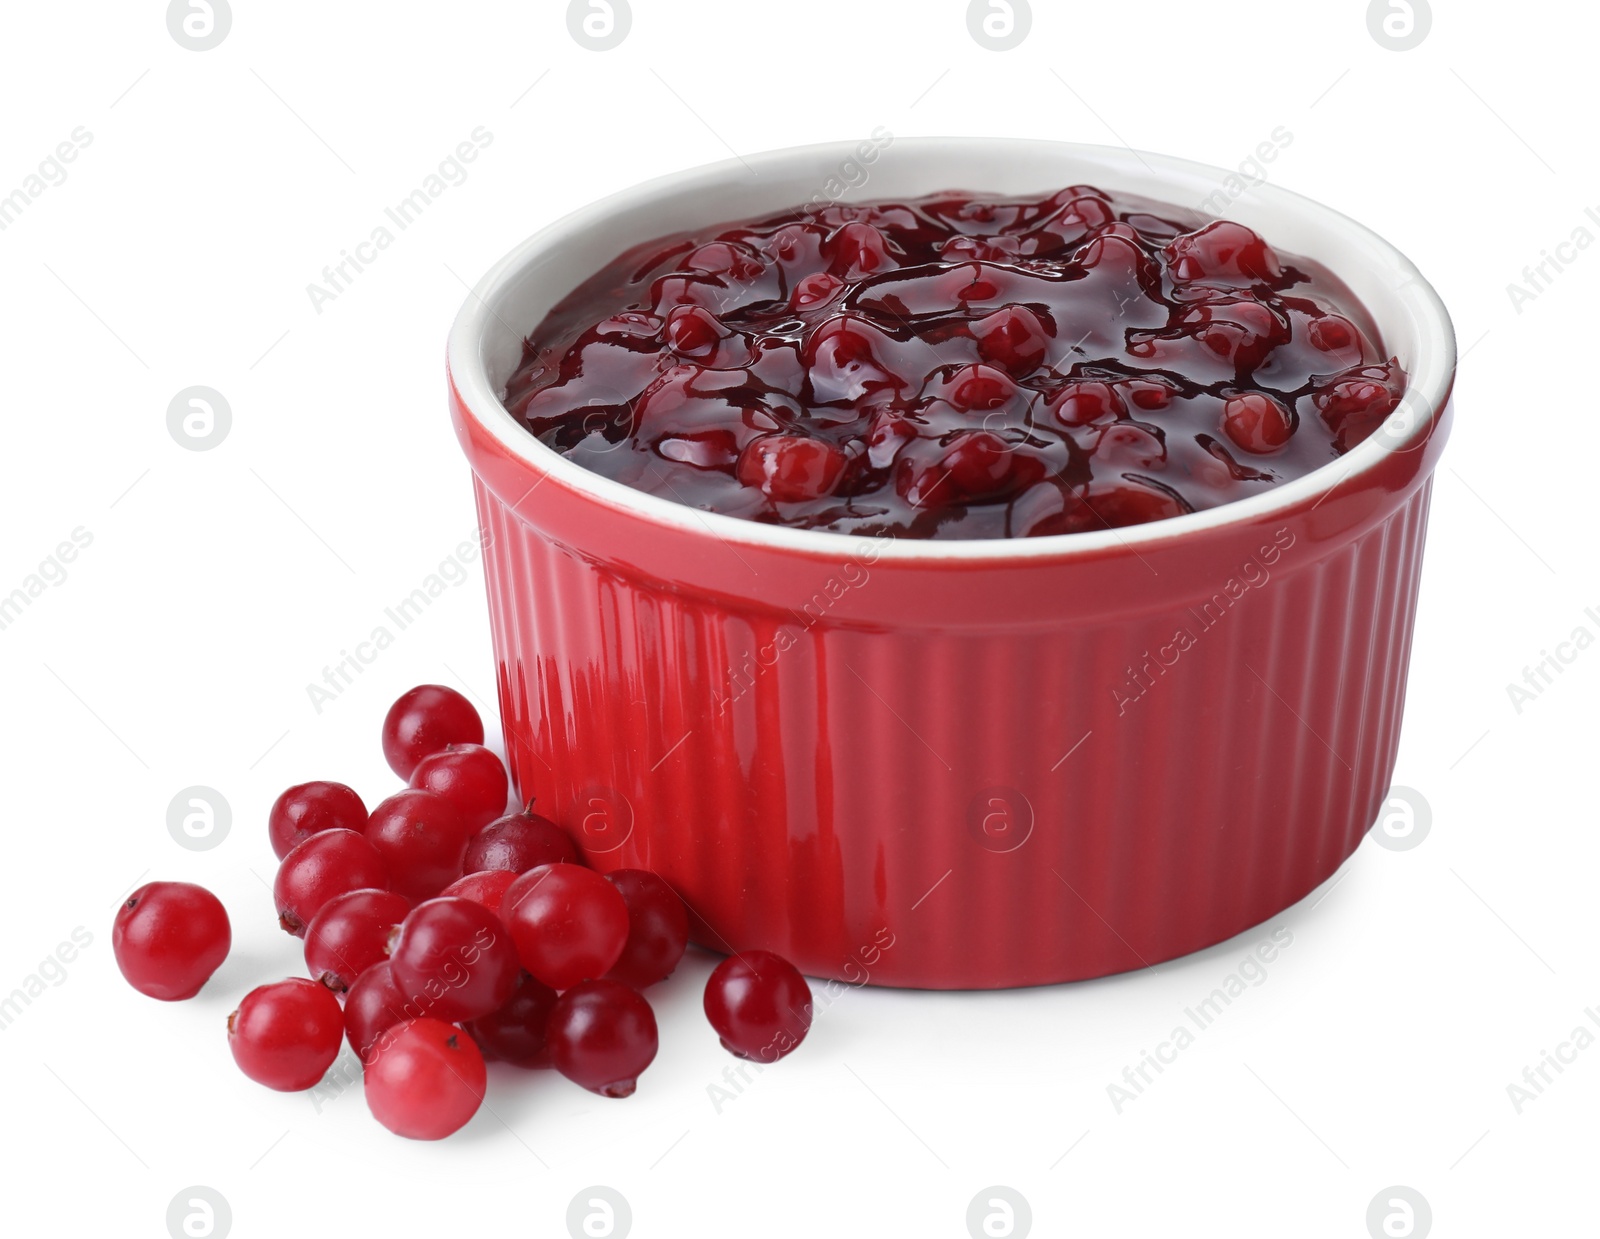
{"points": [[1013, 337], [424, 721], [815, 290], [694, 332], [1356, 403], [519, 842], [1117, 505], [169, 937], [514, 1032], [1130, 445], [658, 928], [350, 934], [568, 922], [1241, 330], [329, 863], [1150, 394], [980, 388], [373, 1006], [470, 777], [307, 808], [422, 837], [1222, 251], [759, 1004], [727, 259], [791, 468], [456, 956], [844, 359], [1333, 333], [425, 1080], [486, 886], [287, 1034], [857, 251], [1256, 422], [1081, 402], [1115, 250], [975, 466], [602, 1035]]}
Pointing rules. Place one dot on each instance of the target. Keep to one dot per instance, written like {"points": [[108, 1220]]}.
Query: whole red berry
{"points": [[425, 720], [456, 956], [487, 886], [515, 1031], [569, 924], [422, 837], [602, 1035], [759, 1004], [307, 808], [425, 1079], [470, 777], [287, 1034], [658, 928], [520, 842], [329, 863], [350, 933], [373, 1006], [169, 937], [1257, 422]]}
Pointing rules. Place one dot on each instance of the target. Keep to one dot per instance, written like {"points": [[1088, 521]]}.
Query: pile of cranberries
{"points": [[441, 931], [958, 366]]}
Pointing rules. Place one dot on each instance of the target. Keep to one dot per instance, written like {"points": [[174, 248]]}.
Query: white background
{"points": [[177, 651]]}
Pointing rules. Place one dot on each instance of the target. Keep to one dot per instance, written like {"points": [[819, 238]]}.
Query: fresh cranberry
{"points": [[791, 468], [425, 1080], [519, 842], [759, 1004], [658, 928], [350, 934], [486, 886], [307, 808], [169, 937], [470, 777], [373, 1006], [602, 1035], [287, 1034], [1222, 251], [1256, 422], [568, 922], [456, 956], [425, 720], [422, 837], [328, 864], [514, 1032]]}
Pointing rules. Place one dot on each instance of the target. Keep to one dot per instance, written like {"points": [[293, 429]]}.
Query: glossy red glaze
{"points": [[1002, 768]]}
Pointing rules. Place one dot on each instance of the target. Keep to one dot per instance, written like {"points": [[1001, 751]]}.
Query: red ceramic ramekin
{"points": [[954, 764]]}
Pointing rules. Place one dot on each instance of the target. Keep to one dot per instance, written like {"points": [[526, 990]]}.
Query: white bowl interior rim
{"points": [[485, 342]]}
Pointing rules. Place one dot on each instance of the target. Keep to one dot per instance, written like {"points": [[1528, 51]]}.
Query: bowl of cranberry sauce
{"points": [[956, 589], [958, 365]]}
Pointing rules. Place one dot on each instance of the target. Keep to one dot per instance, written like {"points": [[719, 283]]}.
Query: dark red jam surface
{"points": [[958, 366]]}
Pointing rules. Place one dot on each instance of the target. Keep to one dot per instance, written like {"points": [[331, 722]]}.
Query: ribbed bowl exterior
{"points": [[955, 777]]}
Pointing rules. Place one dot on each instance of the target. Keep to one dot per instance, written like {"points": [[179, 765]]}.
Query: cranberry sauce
{"points": [[958, 366]]}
